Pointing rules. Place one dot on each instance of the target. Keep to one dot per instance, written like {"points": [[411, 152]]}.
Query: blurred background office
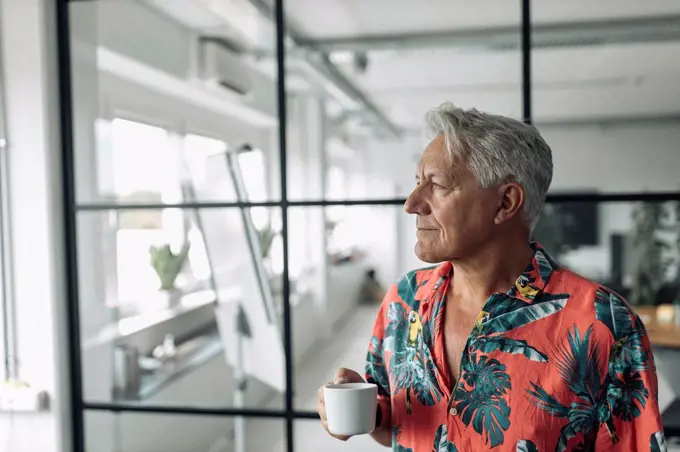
{"points": [[202, 199]]}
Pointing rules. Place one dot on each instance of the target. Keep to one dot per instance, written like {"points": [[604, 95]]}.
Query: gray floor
{"points": [[346, 348]]}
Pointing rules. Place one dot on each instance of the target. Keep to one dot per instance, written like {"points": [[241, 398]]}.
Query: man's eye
{"points": [[436, 185]]}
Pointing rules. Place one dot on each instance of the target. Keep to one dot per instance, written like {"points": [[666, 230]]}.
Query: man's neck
{"points": [[493, 269]]}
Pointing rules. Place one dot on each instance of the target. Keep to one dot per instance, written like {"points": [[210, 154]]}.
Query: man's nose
{"points": [[415, 204]]}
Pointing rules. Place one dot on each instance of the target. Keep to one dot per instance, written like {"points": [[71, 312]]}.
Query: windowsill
{"points": [[130, 325], [191, 355]]}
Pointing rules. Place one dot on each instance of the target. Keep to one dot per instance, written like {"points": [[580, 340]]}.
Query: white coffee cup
{"points": [[351, 408]]}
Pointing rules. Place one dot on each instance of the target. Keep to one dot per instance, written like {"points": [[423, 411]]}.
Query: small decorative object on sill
{"points": [[167, 350], [168, 265]]}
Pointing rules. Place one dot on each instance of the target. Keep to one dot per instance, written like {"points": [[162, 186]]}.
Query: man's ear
{"points": [[511, 197]]}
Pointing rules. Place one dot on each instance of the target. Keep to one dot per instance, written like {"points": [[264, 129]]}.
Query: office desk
{"points": [[666, 335], [665, 339]]}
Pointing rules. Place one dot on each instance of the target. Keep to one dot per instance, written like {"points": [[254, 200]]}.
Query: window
{"points": [[148, 164], [255, 179]]}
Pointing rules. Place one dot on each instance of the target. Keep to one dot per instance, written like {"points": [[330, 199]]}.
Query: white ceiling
{"points": [[321, 19], [570, 83]]}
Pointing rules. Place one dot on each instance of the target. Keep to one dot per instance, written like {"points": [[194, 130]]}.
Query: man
{"points": [[497, 347]]}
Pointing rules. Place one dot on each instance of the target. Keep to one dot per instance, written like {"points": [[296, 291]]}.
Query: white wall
{"points": [[623, 158], [27, 32], [168, 46]]}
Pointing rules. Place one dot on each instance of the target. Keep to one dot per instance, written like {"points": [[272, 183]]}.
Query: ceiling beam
{"points": [[584, 33], [320, 62], [602, 121]]}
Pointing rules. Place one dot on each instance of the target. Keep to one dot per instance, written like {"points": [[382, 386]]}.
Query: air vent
{"points": [[225, 67]]}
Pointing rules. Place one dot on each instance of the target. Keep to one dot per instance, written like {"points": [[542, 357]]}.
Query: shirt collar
{"points": [[535, 276], [527, 286]]}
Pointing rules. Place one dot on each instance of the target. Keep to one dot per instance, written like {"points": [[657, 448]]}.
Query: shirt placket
{"points": [[465, 357]]}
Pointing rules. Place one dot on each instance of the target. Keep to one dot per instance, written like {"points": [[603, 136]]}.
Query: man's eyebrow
{"points": [[441, 174]]}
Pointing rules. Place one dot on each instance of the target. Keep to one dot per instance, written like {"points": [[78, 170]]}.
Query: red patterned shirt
{"points": [[557, 363]]}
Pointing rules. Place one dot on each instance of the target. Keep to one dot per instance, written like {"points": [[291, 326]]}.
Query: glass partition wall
{"points": [[235, 170]]}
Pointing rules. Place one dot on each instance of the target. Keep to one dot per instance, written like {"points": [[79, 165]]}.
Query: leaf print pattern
{"points": [[657, 443], [407, 288], [508, 345], [441, 442], [397, 323], [628, 396], [525, 445], [578, 367], [480, 401], [545, 264], [612, 311], [432, 327], [523, 316], [396, 447], [487, 375], [628, 353], [375, 366]]}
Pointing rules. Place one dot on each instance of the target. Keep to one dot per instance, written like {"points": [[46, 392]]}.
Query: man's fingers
{"points": [[320, 394], [341, 376], [344, 375], [321, 409], [321, 405]]}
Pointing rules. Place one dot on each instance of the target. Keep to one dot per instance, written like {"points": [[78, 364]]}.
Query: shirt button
{"points": [[453, 411]]}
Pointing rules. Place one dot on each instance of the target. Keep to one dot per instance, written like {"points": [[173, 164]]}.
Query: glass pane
{"points": [[613, 126], [175, 308], [310, 435], [136, 432], [161, 90], [632, 247], [348, 257], [377, 68]]}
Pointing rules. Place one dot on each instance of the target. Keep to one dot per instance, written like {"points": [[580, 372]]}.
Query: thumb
{"points": [[344, 375]]}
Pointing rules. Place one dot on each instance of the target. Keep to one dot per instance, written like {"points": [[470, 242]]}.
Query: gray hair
{"points": [[497, 149]]}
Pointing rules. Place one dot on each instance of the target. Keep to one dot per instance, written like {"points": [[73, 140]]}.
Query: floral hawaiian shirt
{"points": [[557, 363]]}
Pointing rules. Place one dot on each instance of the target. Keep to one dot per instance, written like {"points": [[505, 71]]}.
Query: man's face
{"points": [[455, 216]]}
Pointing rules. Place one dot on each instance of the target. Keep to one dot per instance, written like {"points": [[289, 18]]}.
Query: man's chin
{"points": [[427, 255]]}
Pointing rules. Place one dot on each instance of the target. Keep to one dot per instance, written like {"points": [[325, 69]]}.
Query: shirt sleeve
{"points": [[629, 406], [376, 362]]}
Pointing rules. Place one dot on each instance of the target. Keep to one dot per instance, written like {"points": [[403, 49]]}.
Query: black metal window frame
{"points": [[78, 406]]}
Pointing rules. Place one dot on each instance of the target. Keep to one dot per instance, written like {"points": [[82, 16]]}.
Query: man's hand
{"points": [[342, 376]]}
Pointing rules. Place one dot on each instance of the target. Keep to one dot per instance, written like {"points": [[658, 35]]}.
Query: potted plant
{"points": [[650, 249], [168, 265]]}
